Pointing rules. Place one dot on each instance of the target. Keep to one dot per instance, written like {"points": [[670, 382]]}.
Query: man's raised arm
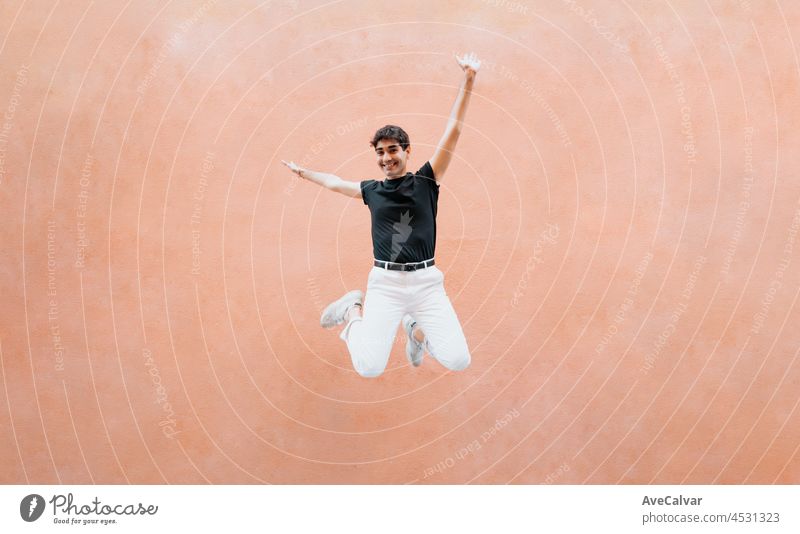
{"points": [[447, 144], [328, 181]]}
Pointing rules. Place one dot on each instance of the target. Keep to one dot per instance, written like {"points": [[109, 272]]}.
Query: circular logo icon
{"points": [[31, 507]]}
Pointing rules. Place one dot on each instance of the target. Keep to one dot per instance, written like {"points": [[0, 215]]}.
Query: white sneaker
{"points": [[415, 350], [336, 311]]}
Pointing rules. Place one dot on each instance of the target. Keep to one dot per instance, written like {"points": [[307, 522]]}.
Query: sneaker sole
{"points": [[330, 316], [410, 344], [410, 356]]}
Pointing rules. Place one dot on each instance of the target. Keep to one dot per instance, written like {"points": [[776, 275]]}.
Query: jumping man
{"points": [[404, 284]]}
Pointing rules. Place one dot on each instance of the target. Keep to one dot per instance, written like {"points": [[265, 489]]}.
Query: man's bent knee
{"points": [[460, 362], [369, 371], [370, 367], [453, 354]]}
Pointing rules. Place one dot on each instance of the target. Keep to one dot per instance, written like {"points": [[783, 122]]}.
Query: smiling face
{"points": [[392, 159]]}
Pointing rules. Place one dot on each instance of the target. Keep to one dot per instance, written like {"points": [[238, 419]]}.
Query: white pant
{"points": [[392, 294]]}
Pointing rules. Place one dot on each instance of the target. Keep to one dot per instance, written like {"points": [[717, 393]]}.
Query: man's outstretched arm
{"points": [[328, 181], [447, 144]]}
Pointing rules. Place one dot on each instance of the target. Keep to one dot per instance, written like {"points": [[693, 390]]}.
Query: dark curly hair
{"points": [[391, 131]]}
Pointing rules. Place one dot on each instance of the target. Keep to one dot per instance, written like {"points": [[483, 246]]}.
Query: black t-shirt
{"points": [[403, 214]]}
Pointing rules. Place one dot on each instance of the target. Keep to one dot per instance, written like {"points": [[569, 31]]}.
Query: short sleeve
{"points": [[426, 171], [366, 187]]}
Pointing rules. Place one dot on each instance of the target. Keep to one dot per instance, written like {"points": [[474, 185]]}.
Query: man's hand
{"points": [[470, 63], [294, 168]]}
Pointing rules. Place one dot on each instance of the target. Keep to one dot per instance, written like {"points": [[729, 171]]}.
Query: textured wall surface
{"points": [[618, 228]]}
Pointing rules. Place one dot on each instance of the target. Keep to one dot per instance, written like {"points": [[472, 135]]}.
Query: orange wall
{"points": [[617, 230]]}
